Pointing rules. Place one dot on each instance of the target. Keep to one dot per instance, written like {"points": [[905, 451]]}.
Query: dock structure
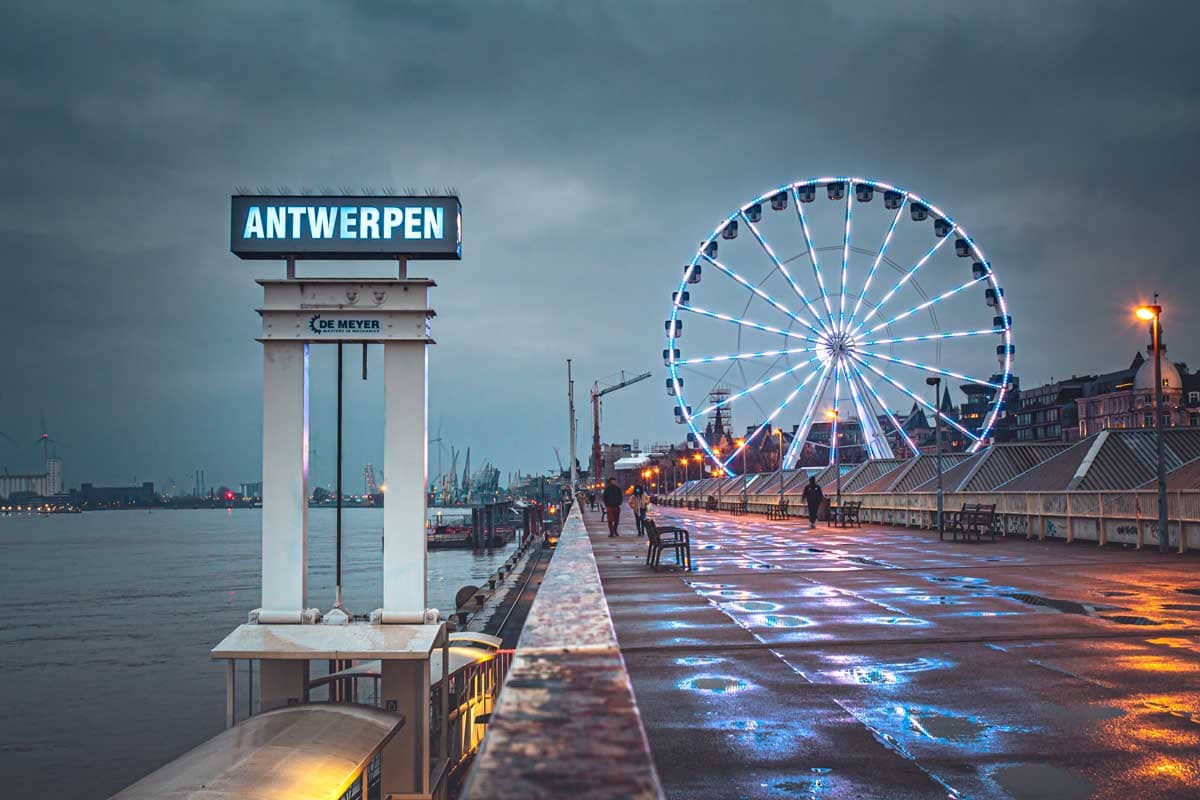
{"points": [[871, 662]]}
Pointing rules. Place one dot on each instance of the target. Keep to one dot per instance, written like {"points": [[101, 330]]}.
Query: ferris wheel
{"points": [[829, 302]]}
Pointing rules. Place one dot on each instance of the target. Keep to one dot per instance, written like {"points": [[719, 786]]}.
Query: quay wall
{"points": [[566, 723]]}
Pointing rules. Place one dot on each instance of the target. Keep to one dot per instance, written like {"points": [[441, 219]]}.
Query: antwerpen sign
{"points": [[346, 227]]}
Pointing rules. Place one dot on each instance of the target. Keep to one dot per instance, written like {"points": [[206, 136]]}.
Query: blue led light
{"points": [[812, 254], [875, 265], [928, 303], [787, 275], [759, 292], [920, 400], [900, 283], [928, 368]]}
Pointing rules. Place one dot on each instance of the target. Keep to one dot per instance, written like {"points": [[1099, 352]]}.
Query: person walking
{"points": [[813, 497], [639, 501], [591, 499], [612, 505]]}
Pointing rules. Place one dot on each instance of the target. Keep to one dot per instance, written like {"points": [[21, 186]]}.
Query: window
{"points": [[1193, 398]]}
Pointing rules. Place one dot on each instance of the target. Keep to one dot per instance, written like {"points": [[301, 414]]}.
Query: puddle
{"points": [[714, 684], [942, 600], [1042, 782], [778, 621], [698, 661], [945, 727], [886, 674], [751, 606], [1117, 594], [909, 621], [1181, 606]]}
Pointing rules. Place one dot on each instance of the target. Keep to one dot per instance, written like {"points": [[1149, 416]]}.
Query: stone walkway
{"points": [[882, 663]]}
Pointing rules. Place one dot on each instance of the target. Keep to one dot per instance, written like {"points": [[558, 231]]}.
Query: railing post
{"points": [[1101, 534]]}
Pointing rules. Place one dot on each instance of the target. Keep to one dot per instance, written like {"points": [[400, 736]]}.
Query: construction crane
{"points": [[558, 458], [597, 393]]}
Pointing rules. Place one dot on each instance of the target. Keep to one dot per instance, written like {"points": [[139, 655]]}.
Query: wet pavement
{"points": [[883, 663]]}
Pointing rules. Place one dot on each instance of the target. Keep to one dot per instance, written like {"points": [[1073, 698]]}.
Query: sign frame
{"points": [[419, 228]]}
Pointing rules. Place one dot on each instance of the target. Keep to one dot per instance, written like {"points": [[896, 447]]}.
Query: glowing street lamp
{"points": [[1153, 315], [742, 444], [719, 473]]}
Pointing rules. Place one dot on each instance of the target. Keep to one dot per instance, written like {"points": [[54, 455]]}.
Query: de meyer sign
{"points": [[346, 227]]}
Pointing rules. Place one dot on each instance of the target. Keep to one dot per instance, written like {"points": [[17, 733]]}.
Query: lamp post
{"points": [[718, 472], [936, 383], [779, 433], [742, 444], [1153, 315], [832, 414]]}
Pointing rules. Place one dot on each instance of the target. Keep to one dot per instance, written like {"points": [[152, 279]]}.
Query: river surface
{"points": [[107, 617]]}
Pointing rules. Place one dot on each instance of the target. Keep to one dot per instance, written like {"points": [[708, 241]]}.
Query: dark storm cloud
{"points": [[593, 144]]}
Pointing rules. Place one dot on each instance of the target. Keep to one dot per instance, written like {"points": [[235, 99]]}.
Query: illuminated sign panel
{"points": [[346, 227]]}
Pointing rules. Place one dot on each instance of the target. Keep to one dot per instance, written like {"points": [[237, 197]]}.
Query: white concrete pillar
{"points": [[405, 688], [285, 481], [405, 469]]}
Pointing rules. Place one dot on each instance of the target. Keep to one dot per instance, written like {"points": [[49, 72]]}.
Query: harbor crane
{"points": [[597, 393]]}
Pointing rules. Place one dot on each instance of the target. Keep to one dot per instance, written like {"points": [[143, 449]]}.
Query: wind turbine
{"points": [[440, 446], [44, 440]]}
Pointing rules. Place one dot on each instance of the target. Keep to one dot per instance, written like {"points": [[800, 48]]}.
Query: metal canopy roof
{"points": [[307, 752], [359, 640], [1111, 460]]}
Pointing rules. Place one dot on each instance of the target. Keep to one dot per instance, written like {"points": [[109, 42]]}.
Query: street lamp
{"points": [[936, 383], [1153, 315], [719, 472], [742, 444], [832, 414], [779, 433]]}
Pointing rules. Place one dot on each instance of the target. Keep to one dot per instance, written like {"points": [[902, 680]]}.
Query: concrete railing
{"points": [[1116, 517], [566, 723]]}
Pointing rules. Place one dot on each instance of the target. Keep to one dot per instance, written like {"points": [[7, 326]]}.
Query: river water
{"points": [[107, 617]]}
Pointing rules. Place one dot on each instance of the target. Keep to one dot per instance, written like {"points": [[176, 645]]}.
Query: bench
{"points": [[660, 539], [974, 518], [846, 514], [778, 510], [711, 503]]}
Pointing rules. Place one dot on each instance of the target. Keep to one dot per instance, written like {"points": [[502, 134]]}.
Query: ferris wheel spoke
{"points": [[873, 438], [746, 356], [760, 293], [931, 301], [905, 278], [931, 369], [892, 417], [812, 256], [928, 337], [845, 257], [758, 326], [783, 269], [837, 413], [875, 265], [771, 417], [807, 420], [920, 400], [765, 382]]}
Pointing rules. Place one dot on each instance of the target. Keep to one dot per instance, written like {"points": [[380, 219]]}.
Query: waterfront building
{"points": [[24, 486], [1049, 413], [91, 496]]}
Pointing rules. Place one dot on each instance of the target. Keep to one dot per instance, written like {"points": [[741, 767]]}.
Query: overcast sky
{"points": [[593, 145]]}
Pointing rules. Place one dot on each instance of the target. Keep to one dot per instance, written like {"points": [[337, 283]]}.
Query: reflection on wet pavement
{"points": [[882, 663]]}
